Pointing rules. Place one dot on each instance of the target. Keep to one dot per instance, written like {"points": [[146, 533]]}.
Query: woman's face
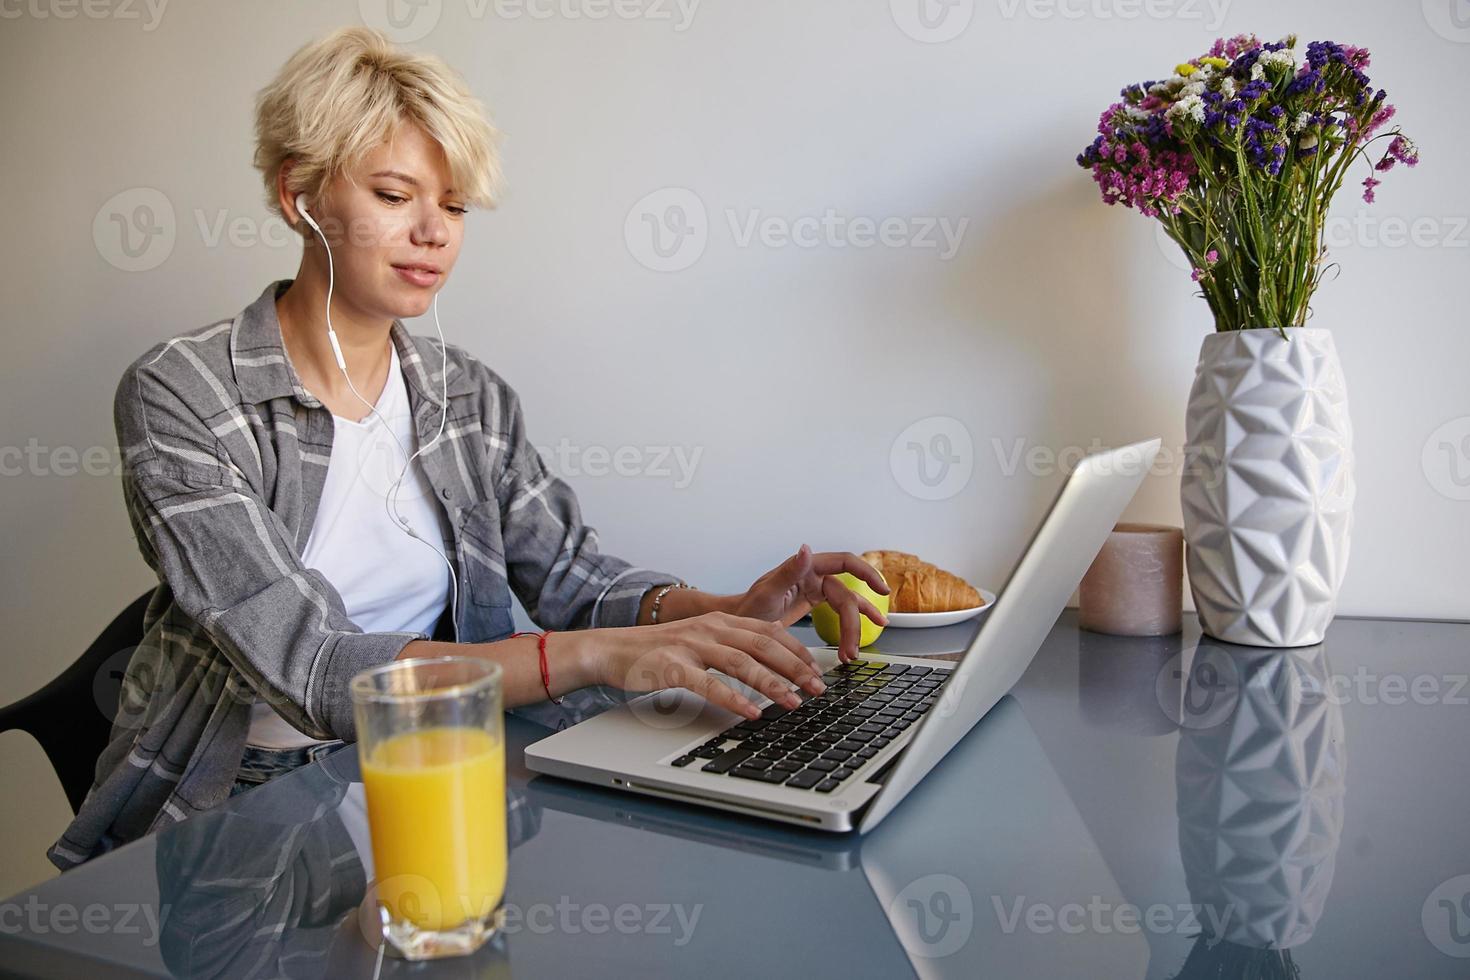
{"points": [[395, 228]]}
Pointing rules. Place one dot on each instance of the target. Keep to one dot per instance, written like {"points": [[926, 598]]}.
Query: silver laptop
{"points": [[844, 759]]}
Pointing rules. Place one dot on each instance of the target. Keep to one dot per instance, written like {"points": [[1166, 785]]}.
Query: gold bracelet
{"points": [[659, 597]]}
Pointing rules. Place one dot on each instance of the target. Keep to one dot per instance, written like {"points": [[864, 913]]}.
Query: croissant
{"points": [[918, 586]]}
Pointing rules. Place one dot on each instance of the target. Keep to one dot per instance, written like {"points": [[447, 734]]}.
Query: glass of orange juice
{"points": [[431, 742]]}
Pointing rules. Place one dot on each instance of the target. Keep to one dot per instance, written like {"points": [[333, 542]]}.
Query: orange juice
{"points": [[436, 810]]}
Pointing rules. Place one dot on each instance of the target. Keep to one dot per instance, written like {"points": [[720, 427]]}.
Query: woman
{"points": [[283, 570]]}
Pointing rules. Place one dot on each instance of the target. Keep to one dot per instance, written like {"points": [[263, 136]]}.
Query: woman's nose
{"points": [[430, 228]]}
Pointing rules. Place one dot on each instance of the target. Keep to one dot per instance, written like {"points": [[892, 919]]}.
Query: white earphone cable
{"points": [[390, 500]]}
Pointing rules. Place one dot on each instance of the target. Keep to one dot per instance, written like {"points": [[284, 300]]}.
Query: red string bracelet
{"points": [[545, 670]]}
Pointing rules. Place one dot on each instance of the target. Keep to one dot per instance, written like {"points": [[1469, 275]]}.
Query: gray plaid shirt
{"points": [[224, 456]]}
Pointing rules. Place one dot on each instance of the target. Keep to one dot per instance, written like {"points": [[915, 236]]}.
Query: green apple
{"points": [[829, 627]]}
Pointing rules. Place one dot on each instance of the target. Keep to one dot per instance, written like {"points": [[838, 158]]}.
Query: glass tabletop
{"points": [[1147, 808]]}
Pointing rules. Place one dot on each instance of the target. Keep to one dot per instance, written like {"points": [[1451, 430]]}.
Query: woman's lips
{"points": [[419, 277]]}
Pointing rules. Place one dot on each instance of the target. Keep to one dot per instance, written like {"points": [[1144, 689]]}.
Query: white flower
{"points": [[1283, 58], [1192, 88], [1258, 71], [1135, 114], [1191, 107], [1227, 88], [1300, 123]]}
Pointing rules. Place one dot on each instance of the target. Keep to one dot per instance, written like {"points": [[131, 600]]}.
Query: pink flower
{"points": [[1379, 118], [1368, 186]]}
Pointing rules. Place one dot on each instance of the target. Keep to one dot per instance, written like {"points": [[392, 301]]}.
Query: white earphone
{"points": [[391, 500]]}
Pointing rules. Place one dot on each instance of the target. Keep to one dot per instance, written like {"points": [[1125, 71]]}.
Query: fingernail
{"points": [[818, 684]]}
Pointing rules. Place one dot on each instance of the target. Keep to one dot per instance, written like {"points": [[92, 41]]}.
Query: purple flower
{"points": [[1368, 186], [1402, 150]]}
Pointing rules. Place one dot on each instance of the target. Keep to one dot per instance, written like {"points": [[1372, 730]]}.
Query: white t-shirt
{"points": [[388, 581]]}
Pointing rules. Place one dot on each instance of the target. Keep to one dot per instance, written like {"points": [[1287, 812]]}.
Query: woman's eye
{"points": [[398, 199]]}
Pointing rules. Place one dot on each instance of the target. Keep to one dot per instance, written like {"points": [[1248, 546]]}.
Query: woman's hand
{"points": [[757, 652], [787, 592]]}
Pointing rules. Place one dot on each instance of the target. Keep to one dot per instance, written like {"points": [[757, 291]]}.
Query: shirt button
{"points": [[444, 492]]}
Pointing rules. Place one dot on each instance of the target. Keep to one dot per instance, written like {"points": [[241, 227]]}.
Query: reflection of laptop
{"points": [[991, 834], [846, 758]]}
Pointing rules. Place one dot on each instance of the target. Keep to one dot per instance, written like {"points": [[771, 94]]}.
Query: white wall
{"points": [[790, 370]]}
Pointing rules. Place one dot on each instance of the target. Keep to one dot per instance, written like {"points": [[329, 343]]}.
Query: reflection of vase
{"points": [[1268, 492], [1260, 803]]}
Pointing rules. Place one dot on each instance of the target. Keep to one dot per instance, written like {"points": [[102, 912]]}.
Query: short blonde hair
{"points": [[338, 98]]}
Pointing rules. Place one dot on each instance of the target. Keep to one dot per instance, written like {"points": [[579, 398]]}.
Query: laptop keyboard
{"points": [[826, 739]]}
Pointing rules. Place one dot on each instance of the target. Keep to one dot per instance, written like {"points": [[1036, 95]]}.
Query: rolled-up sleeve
{"points": [[552, 558], [233, 568]]}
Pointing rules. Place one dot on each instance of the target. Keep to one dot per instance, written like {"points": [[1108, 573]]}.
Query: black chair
{"points": [[72, 716]]}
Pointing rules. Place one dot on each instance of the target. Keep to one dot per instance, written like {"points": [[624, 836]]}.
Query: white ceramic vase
{"points": [[1268, 487]]}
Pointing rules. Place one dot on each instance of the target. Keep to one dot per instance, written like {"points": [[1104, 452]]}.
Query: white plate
{"points": [[922, 620]]}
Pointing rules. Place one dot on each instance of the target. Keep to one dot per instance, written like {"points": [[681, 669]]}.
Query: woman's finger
{"points": [[769, 651], [712, 689], [740, 665], [680, 665], [844, 600], [832, 562], [871, 611], [778, 633]]}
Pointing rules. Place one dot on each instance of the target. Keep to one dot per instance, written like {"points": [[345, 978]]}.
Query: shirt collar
{"points": [[263, 371]]}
